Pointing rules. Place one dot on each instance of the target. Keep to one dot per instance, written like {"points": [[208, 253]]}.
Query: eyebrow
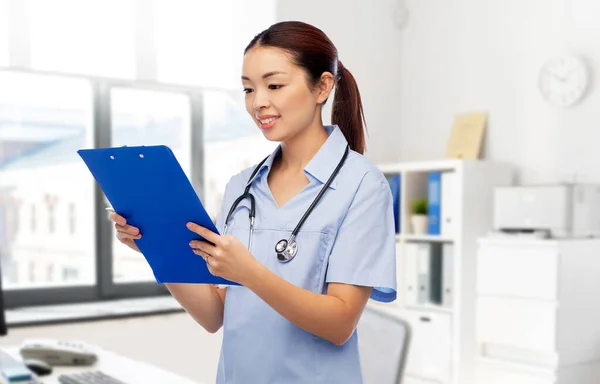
{"points": [[266, 75]]}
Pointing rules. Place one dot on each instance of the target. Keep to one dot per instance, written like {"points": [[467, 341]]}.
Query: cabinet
{"points": [[538, 311], [442, 349]]}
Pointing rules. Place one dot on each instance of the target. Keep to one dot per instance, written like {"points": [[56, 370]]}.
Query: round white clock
{"points": [[564, 80]]}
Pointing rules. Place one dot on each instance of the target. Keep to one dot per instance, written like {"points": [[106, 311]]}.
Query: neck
{"points": [[298, 152]]}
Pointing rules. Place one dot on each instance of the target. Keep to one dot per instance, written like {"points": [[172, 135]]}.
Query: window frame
{"points": [[105, 288]]}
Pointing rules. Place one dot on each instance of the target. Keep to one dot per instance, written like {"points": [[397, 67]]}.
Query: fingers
{"points": [[122, 236], [118, 219], [127, 229], [210, 260], [124, 231], [205, 233], [205, 247]]}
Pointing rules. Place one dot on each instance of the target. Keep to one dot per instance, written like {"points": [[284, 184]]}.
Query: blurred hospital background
{"points": [[482, 114]]}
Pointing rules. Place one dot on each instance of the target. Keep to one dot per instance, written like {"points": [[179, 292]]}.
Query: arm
{"points": [[204, 302], [332, 316], [360, 259]]}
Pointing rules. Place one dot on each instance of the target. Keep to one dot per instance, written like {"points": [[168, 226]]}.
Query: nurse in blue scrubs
{"points": [[293, 319]]}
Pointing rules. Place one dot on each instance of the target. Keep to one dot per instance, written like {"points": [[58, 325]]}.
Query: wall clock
{"points": [[564, 80]]}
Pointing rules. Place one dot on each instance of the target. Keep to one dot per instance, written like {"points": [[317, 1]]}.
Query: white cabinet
{"points": [[430, 353], [497, 372], [507, 269], [440, 306], [538, 311]]}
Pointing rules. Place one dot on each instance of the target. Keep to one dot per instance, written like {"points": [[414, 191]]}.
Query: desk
{"points": [[120, 367]]}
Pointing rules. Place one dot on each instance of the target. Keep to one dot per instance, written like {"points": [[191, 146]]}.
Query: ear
{"points": [[324, 87]]}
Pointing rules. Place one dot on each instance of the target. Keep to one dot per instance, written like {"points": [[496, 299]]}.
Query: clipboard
{"points": [[147, 186]]}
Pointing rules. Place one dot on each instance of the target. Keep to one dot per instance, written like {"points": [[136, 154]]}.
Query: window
{"points": [[228, 129], [184, 53], [40, 132], [32, 272], [50, 272], [51, 234], [147, 117], [51, 212], [72, 219], [70, 274], [95, 37], [202, 42], [3, 33], [33, 218]]}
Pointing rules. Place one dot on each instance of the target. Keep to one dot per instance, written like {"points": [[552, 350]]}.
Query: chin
{"points": [[273, 134]]}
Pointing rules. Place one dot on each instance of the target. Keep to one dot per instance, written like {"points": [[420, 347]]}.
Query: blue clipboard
{"points": [[147, 186]]}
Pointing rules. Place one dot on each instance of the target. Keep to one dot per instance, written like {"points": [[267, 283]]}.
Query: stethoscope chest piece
{"points": [[286, 249]]}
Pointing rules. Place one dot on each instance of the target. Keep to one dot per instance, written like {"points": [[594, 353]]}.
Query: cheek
{"points": [[249, 101], [297, 106]]}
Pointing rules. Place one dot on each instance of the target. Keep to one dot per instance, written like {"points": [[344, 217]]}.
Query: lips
{"points": [[267, 122]]}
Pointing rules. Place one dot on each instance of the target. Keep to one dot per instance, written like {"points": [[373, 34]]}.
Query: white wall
{"points": [[464, 55], [368, 44]]}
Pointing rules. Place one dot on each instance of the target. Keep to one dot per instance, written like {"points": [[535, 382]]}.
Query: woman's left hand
{"points": [[227, 258]]}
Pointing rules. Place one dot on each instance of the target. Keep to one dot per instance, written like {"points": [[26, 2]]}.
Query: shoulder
{"points": [[363, 174]]}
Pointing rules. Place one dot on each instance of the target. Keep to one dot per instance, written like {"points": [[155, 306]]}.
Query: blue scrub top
{"points": [[348, 238]]}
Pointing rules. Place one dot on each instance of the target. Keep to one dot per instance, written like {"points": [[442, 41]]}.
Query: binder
{"points": [[411, 273], [423, 277], [448, 275], [435, 273], [394, 182], [433, 202], [447, 204], [147, 186]]}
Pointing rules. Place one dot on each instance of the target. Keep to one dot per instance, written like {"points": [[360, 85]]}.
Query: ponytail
{"points": [[347, 110]]}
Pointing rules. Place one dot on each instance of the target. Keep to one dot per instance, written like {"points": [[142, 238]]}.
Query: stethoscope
{"points": [[286, 250]]}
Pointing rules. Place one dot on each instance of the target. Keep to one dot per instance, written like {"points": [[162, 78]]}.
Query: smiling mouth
{"points": [[267, 121]]}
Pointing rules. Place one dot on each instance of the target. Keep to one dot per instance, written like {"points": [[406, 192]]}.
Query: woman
{"points": [[292, 319]]}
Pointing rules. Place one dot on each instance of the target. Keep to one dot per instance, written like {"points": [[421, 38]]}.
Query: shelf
{"points": [[399, 310], [435, 238], [422, 166], [429, 308]]}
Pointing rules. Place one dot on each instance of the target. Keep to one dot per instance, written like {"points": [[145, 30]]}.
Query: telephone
{"points": [[58, 352]]}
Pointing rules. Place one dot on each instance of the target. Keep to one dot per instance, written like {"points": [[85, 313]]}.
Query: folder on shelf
{"points": [[394, 181], [448, 275], [447, 204], [433, 202], [410, 254], [435, 273], [423, 275], [147, 186]]}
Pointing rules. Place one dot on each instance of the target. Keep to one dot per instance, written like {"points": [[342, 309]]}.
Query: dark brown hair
{"points": [[312, 50]]}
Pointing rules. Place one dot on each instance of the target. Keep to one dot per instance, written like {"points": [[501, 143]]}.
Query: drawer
{"points": [[522, 323], [493, 372], [518, 270], [413, 380], [429, 356]]}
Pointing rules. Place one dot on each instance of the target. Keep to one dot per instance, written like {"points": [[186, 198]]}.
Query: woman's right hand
{"points": [[125, 233]]}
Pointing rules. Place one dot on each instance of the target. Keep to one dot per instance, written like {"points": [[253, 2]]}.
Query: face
{"points": [[278, 95]]}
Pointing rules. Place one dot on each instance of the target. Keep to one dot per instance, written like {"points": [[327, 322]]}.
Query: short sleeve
{"points": [[364, 252]]}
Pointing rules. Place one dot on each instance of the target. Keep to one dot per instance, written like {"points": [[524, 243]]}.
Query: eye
{"points": [[275, 86], [248, 90]]}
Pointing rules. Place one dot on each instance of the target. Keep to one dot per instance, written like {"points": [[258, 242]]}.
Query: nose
{"points": [[261, 100]]}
